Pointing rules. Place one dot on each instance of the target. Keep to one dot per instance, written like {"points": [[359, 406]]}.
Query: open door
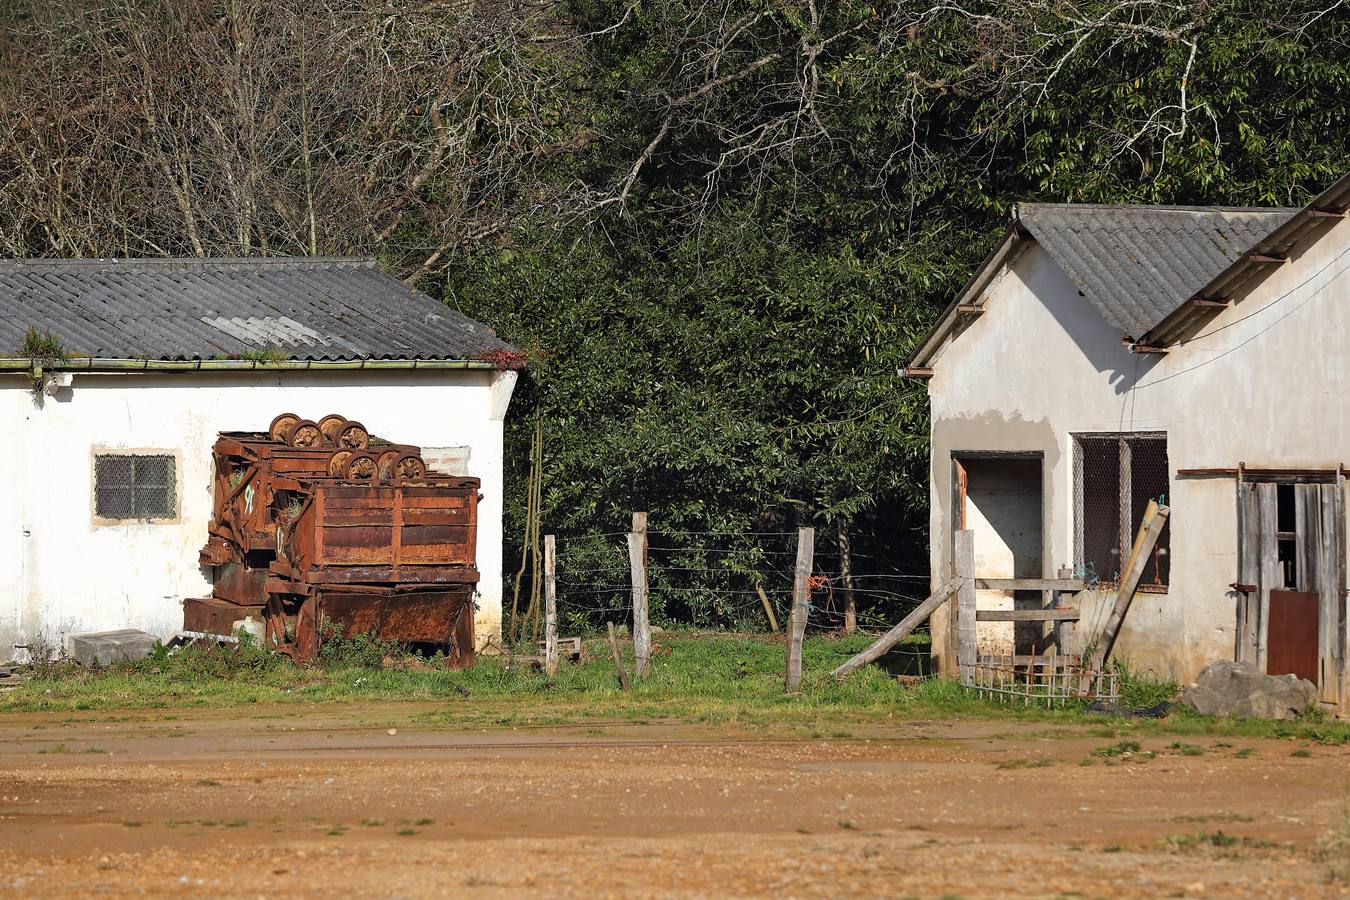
{"points": [[999, 498], [1291, 615]]}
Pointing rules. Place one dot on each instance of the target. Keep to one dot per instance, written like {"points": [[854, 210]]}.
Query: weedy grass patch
{"points": [[718, 678]]}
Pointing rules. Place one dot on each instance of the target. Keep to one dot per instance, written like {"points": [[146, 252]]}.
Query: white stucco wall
{"points": [[61, 573], [1266, 383]]}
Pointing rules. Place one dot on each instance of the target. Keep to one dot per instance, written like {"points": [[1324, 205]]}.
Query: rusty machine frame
{"points": [[320, 528]]}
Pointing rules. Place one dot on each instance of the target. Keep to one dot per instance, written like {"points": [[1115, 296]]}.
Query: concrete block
{"points": [[103, 648]]}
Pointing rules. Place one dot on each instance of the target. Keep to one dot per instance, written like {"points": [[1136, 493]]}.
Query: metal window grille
{"points": [[128, 486], [1115, 475]]}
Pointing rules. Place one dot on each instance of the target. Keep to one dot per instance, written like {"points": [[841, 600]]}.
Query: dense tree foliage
{"points": [[717, 226]]}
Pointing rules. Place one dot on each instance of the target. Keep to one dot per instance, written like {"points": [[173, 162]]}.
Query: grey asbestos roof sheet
{"points": [[308, 309], [1137, 264]]}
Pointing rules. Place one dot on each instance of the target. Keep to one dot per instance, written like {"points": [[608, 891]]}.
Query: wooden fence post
{"points": [[618, 659], [801, 598], [550, 606], [637, 562], [967, 647]]}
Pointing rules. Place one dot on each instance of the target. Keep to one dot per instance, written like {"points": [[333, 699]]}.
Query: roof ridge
{"points": [[1163, 207], [201, 262]]}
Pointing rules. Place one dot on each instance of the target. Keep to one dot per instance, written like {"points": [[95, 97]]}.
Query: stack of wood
{"points": [[321, 529]]}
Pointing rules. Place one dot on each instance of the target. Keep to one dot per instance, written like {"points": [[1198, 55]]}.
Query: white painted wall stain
{"points": [[62, 573]]}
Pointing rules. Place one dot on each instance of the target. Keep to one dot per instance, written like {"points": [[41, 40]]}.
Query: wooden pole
{"points": [[901, 630], [637, 562], [550, 606], [524, 544], [801, 598], [768, 608], [618, 659], [846, 578], [964, 557], [1155, 518], [536, 587]]}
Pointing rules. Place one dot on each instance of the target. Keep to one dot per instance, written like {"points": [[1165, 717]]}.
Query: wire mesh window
{"points": [[134, 486], [1115, 475]]}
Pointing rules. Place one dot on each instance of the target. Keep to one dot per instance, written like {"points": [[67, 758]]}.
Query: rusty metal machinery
{"points": [[319, 527]]}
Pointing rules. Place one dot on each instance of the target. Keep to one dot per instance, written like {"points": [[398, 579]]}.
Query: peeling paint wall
{"points": [[63, 573], [1267, 382]]}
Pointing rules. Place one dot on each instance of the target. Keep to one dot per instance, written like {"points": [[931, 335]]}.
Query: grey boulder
{"points": [[103, 648], [1227, 688]]}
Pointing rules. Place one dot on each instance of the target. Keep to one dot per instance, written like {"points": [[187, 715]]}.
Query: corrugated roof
{"points": [[314, 308], [1136, 264]]}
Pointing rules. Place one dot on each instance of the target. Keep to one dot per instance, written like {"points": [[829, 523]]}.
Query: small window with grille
{"points": [[1115, 475], [135, 486]]}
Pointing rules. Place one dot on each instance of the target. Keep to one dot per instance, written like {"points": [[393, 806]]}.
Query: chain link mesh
{"points": [[1115, 475], [134, 486]]}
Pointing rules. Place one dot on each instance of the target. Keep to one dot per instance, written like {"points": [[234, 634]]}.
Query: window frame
{"points": [[1125, 488], [176, 514]]}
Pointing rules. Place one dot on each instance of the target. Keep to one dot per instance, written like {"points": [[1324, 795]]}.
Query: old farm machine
{"points": [[320, 528]]}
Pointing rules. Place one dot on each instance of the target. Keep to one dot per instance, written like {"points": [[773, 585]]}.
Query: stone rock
{"points": [[103, 648], [1227, 688]]}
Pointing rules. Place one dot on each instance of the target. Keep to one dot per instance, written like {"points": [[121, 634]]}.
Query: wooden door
{"points": [[1313, 604], [1292, 635]]}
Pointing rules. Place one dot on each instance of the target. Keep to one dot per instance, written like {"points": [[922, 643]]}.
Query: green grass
{"points": [[722, 678]]}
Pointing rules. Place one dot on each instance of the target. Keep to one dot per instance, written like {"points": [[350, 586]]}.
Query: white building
{"points": [[1103, 356], [164, 354]]}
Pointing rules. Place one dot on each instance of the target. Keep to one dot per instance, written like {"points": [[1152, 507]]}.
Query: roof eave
{"points": [[923, 355], [131, 366], [1334, 200]]}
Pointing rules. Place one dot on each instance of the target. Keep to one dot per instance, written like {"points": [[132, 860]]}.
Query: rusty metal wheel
{"points": [[352, 436], [281, 425], [304, 433], [410, 467], [387, 459], [337, 463], [361, 467], [330, 425]]}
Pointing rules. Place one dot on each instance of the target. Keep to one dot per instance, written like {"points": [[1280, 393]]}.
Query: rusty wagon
{"points": [[319, 528]]}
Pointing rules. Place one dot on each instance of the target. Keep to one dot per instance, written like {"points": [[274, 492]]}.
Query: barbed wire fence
{"points": [[726, 581]]}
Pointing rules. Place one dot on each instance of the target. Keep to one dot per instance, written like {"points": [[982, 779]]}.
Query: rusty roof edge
{"points": [[923, 353], [1335, 198], [105, 364]]}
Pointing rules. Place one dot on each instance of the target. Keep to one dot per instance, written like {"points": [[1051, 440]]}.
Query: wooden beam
{"points": [[970, 309], [1030, 584], [1211, 302], [1256, 473], [1150, 529], [917, 372], [1145, 348], [900, 631], [1325, 214], [1267, 258], [963, 555], [1061, 614]]}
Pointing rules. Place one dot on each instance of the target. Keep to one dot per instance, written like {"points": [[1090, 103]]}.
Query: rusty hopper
{"points": [[319, 528]]}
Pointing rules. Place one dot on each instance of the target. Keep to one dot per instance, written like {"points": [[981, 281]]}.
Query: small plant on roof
{"points": [[43, 348], [266, 355]]}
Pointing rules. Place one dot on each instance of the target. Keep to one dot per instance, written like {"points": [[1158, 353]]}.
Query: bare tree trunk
{"points": [[846, 577]]}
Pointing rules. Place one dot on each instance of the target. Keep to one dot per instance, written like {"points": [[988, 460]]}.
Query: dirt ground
{"points": [[361, 800]]}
